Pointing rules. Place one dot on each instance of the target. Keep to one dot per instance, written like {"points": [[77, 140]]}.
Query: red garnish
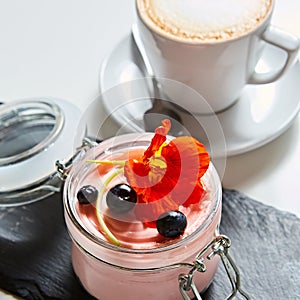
{"points": [[167, 175]]}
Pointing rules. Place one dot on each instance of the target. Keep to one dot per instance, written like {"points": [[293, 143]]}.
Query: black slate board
{"points": [[35, 247]]}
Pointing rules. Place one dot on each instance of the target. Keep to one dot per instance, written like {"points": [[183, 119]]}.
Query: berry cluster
{"points": [[122, 198]]}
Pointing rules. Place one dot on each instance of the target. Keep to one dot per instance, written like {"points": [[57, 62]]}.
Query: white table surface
{"points": [[55, 48]]}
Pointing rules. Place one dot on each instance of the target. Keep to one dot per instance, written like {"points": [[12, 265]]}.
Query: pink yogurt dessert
{"points": [[138, 262]]}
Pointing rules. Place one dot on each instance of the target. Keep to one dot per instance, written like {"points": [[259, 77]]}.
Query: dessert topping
{"points": [[87, 194], [121, 198], [171, 224], [166, 176]]}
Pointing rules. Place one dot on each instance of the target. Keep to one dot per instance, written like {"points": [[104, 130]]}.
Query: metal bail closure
{"points": [[219, 246], [63, 167]]}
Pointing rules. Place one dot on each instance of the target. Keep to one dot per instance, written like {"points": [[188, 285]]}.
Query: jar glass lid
{"points": [[27, 128], [34, 133]]}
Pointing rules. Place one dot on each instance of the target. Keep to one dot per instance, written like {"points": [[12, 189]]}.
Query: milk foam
{"points": [[204, 19]]}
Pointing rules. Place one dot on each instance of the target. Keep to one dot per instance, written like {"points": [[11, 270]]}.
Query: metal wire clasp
{"points": [[63, 168], [219, 246]]}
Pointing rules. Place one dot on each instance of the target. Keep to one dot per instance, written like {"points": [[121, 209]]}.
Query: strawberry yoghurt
{"points": [[144, 264]]}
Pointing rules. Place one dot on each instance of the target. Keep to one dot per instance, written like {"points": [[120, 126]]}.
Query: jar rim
{"points": [[118, 141]]}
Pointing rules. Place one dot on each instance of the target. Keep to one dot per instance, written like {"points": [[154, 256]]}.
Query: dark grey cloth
{"points": [[35, 251]]}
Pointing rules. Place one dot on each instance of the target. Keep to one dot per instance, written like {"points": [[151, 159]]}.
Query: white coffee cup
{"points": [[219, 61]]}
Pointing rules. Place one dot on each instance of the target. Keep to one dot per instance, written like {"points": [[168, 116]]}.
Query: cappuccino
{"points": [[203, 20]]}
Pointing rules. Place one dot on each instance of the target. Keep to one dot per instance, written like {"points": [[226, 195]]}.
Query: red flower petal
{"points": [[191, 195], [167, 175], [158, 139], [140, 175], [149, 212], [190, 154]]}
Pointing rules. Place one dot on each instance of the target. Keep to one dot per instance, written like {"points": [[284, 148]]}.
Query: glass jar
{"points": [[174, 271]]}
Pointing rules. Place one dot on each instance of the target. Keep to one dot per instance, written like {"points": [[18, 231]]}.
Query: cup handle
{"points": [[288, 43]]}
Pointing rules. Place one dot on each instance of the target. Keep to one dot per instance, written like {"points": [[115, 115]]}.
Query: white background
{"points": [[55, 48]]}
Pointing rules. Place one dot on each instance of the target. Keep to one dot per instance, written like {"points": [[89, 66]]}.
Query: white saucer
{"points": [[262, 113]]}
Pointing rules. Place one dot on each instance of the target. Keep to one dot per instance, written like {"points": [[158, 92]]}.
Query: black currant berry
{"points": [[121, 198], [171, 224], [87, 194]]}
